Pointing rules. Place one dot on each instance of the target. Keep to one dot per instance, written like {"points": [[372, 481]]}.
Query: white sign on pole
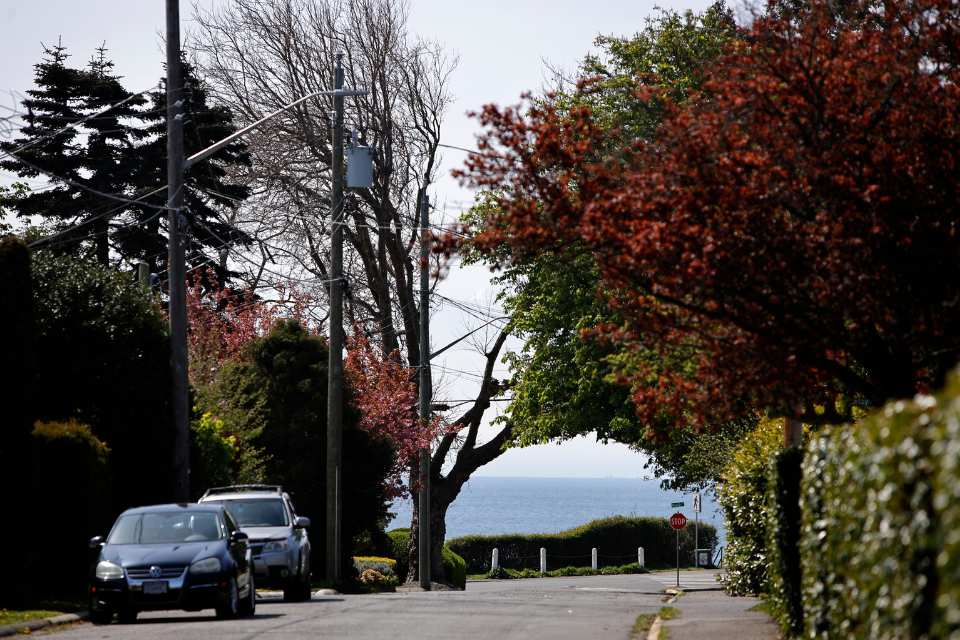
{"points": [[696, 502]]}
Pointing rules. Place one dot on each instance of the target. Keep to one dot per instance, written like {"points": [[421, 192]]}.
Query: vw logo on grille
{"points": [[155, 571]]}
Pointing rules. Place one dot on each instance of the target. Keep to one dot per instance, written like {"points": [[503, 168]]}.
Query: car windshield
{"points": [[166, 528], [267, 512]]}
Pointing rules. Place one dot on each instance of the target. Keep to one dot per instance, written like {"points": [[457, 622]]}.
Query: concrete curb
{"points": [[654, 632], [41, 623]]}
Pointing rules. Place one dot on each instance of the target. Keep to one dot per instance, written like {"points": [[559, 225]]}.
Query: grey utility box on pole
{"points": [[359, 167]]}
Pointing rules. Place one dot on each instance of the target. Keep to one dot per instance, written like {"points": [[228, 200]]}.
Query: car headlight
{"points": [[275, 545], [210, 565], [107, 570]]}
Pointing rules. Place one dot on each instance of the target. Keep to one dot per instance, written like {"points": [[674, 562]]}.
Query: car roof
{"points": [[244, 495], [171, 508]]}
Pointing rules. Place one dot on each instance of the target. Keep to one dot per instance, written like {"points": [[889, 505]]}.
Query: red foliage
{"points": [[221, 322], [794, 225], [385, 394]]}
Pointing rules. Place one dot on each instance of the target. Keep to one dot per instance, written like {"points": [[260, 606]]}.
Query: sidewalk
{"points": [[715, 615]]}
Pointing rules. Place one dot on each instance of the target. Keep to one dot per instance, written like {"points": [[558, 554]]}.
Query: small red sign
{"points": [[678, 521]]}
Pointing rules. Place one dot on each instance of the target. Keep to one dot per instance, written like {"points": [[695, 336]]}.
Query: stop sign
{"points": [[678, 521]]}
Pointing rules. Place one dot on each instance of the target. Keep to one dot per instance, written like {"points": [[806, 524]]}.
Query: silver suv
{"points": [[278, 538]]}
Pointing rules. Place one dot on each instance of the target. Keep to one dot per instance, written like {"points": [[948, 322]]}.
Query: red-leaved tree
{"points": [[791, 234], [385, 395]]}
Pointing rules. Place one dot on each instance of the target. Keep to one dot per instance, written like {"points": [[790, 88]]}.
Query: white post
{"points": [[640, 557], [543, 560], [593, 559], [495, 560]]}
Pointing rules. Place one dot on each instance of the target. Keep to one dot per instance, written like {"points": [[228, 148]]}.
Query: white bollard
{"points": [[543, 560], [495, 560], [640, 557], [593, 559]]}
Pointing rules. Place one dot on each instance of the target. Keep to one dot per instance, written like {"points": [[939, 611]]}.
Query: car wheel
{"points": [[127, 615], [298, 589], [231, 607], [99, 615], [249, 605]]}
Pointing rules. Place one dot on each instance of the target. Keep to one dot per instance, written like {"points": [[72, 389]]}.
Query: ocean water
{"points": [[492, 505]]}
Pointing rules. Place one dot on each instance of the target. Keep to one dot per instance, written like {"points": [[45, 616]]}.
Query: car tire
{"points": [[127, 615], [298, 589], [99, 615], [248, 606], [231, 608]]}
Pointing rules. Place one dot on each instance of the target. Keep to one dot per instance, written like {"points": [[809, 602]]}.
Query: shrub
{"points": [[377, 581], [212, 452], [454, 566], [70, 471], [880, 538], [386, 566], [743, 494], [785, 596], [616, 539]]}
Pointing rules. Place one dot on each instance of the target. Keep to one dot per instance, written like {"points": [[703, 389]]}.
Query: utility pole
{"points": [[335, 366], [178, 301], [424, 561]]}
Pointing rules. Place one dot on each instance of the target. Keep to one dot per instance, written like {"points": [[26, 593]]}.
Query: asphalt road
{"points": [[549, 608]]}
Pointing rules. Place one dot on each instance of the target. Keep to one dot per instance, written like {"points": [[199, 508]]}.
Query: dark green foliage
{"points": [[743, 494], [786, 597], [102, 357], [880, 541], [275, 400], [17, 363], [615, 538], [210, 188], [454, 566], [122, 152], [70, 501], [504, 574]]}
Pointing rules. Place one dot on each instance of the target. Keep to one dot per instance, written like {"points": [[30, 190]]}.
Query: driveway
{"points": [[548, 608]]}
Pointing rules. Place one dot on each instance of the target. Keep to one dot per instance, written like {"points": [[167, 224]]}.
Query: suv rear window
{"points": [[256, 512]]}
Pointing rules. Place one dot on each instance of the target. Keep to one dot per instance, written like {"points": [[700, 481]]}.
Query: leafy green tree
{"points": [[102, 356], [566, 383], [278, 393]]}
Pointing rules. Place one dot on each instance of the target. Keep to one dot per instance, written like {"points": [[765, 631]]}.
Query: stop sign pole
{"points": [[678, 521]]}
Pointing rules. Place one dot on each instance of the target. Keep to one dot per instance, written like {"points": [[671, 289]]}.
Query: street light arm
{"points": [[216, 146]]}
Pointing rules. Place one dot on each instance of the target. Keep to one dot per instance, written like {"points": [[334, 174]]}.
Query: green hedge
{"points": [[615, 538], [880, 542], [453, 565], [743, 494], [71, 498]]}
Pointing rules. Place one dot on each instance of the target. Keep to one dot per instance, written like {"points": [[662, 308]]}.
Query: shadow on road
{"points": [[210, 618]]}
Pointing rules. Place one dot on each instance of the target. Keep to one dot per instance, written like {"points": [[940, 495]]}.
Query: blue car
{"points": [[175, 556]]}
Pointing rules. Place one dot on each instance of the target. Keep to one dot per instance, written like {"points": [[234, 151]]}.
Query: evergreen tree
{"points": [[110, 139], [54, 102], [212, 186]]}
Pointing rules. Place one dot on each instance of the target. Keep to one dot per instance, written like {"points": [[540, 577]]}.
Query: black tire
{"points": [[298, 589], [127, 615], [100, 616], [231, 608], [248, 606]]}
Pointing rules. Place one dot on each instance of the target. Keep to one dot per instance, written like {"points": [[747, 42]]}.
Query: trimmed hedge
{"points": [[743, 494], [615, 538], [453, 565], [880, 539]]}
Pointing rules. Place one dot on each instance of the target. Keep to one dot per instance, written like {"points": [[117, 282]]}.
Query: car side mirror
{"points": [[96, 542], [236, 536], [301, 523]]}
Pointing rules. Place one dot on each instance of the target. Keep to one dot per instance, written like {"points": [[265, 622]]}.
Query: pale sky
{"points": [[502, 45]]}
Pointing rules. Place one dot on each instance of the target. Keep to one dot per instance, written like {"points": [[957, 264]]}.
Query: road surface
{"points": [[548, 608]]}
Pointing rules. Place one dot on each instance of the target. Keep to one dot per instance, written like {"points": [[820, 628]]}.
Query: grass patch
{"points": [[13, 616], [763, 607], [668, 613], [642, 625]]}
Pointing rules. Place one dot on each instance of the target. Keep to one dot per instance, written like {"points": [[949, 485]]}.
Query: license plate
{"points": [[155, 587]]}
